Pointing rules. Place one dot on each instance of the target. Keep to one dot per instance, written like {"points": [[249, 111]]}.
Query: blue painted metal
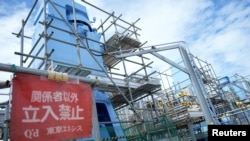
{"points": [[68, 53], [227, 84]]}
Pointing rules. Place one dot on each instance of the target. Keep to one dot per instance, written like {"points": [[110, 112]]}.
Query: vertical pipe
{"points": [[155, 108], [6, 124], [22, 43], [136, 37], [197, 87], [77, 37], [247, 118], [163, 84], [150, 109], [145, 70], [191, 131], [126, 74], [45, 34], [104, 39], [95, 120], [116, 31], [128, 79]]}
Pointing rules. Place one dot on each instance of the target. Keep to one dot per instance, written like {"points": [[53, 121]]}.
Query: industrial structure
{"points": [[141, 92]]}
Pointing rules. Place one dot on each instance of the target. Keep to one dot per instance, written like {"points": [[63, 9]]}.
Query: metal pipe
{"points": [[131, 25], [22, 42], [33, 57], [170, 62], [126, 29], [245, 90], [139, 69], [148, 51], [17, 69], [190, 128], [77, 37], [69, 64], [6, 123], [4, 94], [4, 84], [107, 12], [108, 122], [136, 63], [104, 40], [197, 87], [51, 26], [111, 24], [145, 68], [116, 31], [105, 21], [119, 74], [91, 54], [165, 44], [23, 36], [129, 89], [33, 48], [46, 59], [42, 46], [45, 34], [96, 127], [28, 17], [163, 85]]}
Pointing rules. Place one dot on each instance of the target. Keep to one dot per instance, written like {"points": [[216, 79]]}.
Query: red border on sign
{"points": [[43, 109]]}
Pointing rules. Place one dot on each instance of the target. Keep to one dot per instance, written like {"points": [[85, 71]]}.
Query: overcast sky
{"points": [[217, 31]]}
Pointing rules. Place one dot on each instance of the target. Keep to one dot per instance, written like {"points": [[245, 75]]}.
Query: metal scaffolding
{"points": [[152, 103]]}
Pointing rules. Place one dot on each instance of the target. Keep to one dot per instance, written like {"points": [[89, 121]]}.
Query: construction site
{"points": [[140, 92]]}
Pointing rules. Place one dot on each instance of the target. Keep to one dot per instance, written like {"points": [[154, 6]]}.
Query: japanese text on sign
{"points": [[50, 110]]}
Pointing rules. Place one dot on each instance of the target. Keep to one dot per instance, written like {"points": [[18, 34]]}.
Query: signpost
{"points": [[43, 109]]}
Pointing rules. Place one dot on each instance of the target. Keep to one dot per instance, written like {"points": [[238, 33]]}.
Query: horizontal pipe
{"points": [[33, 7], [108, 13], [4, 84], [109, 122], [28, 37], [4, 94], [56, 61], [17, 69]]}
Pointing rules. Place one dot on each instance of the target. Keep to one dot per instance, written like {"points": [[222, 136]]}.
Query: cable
{"points": [[92, 51]]}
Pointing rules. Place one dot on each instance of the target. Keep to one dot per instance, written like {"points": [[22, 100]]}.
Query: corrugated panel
{"points": [[72, 70], [113, 45]]}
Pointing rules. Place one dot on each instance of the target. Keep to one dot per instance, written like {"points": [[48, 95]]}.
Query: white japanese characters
{"points": [[66, 111], [56, 105], [57, 96]]}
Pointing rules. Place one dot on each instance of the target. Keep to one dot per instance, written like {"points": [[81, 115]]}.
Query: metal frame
{"points": [[136, 87]]}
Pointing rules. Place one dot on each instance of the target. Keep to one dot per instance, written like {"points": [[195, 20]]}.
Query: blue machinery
{"points": [[72, 48], [141, 105]]}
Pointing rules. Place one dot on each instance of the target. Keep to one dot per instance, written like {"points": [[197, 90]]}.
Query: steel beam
{"points": [[170, 62], [147, 51]]}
